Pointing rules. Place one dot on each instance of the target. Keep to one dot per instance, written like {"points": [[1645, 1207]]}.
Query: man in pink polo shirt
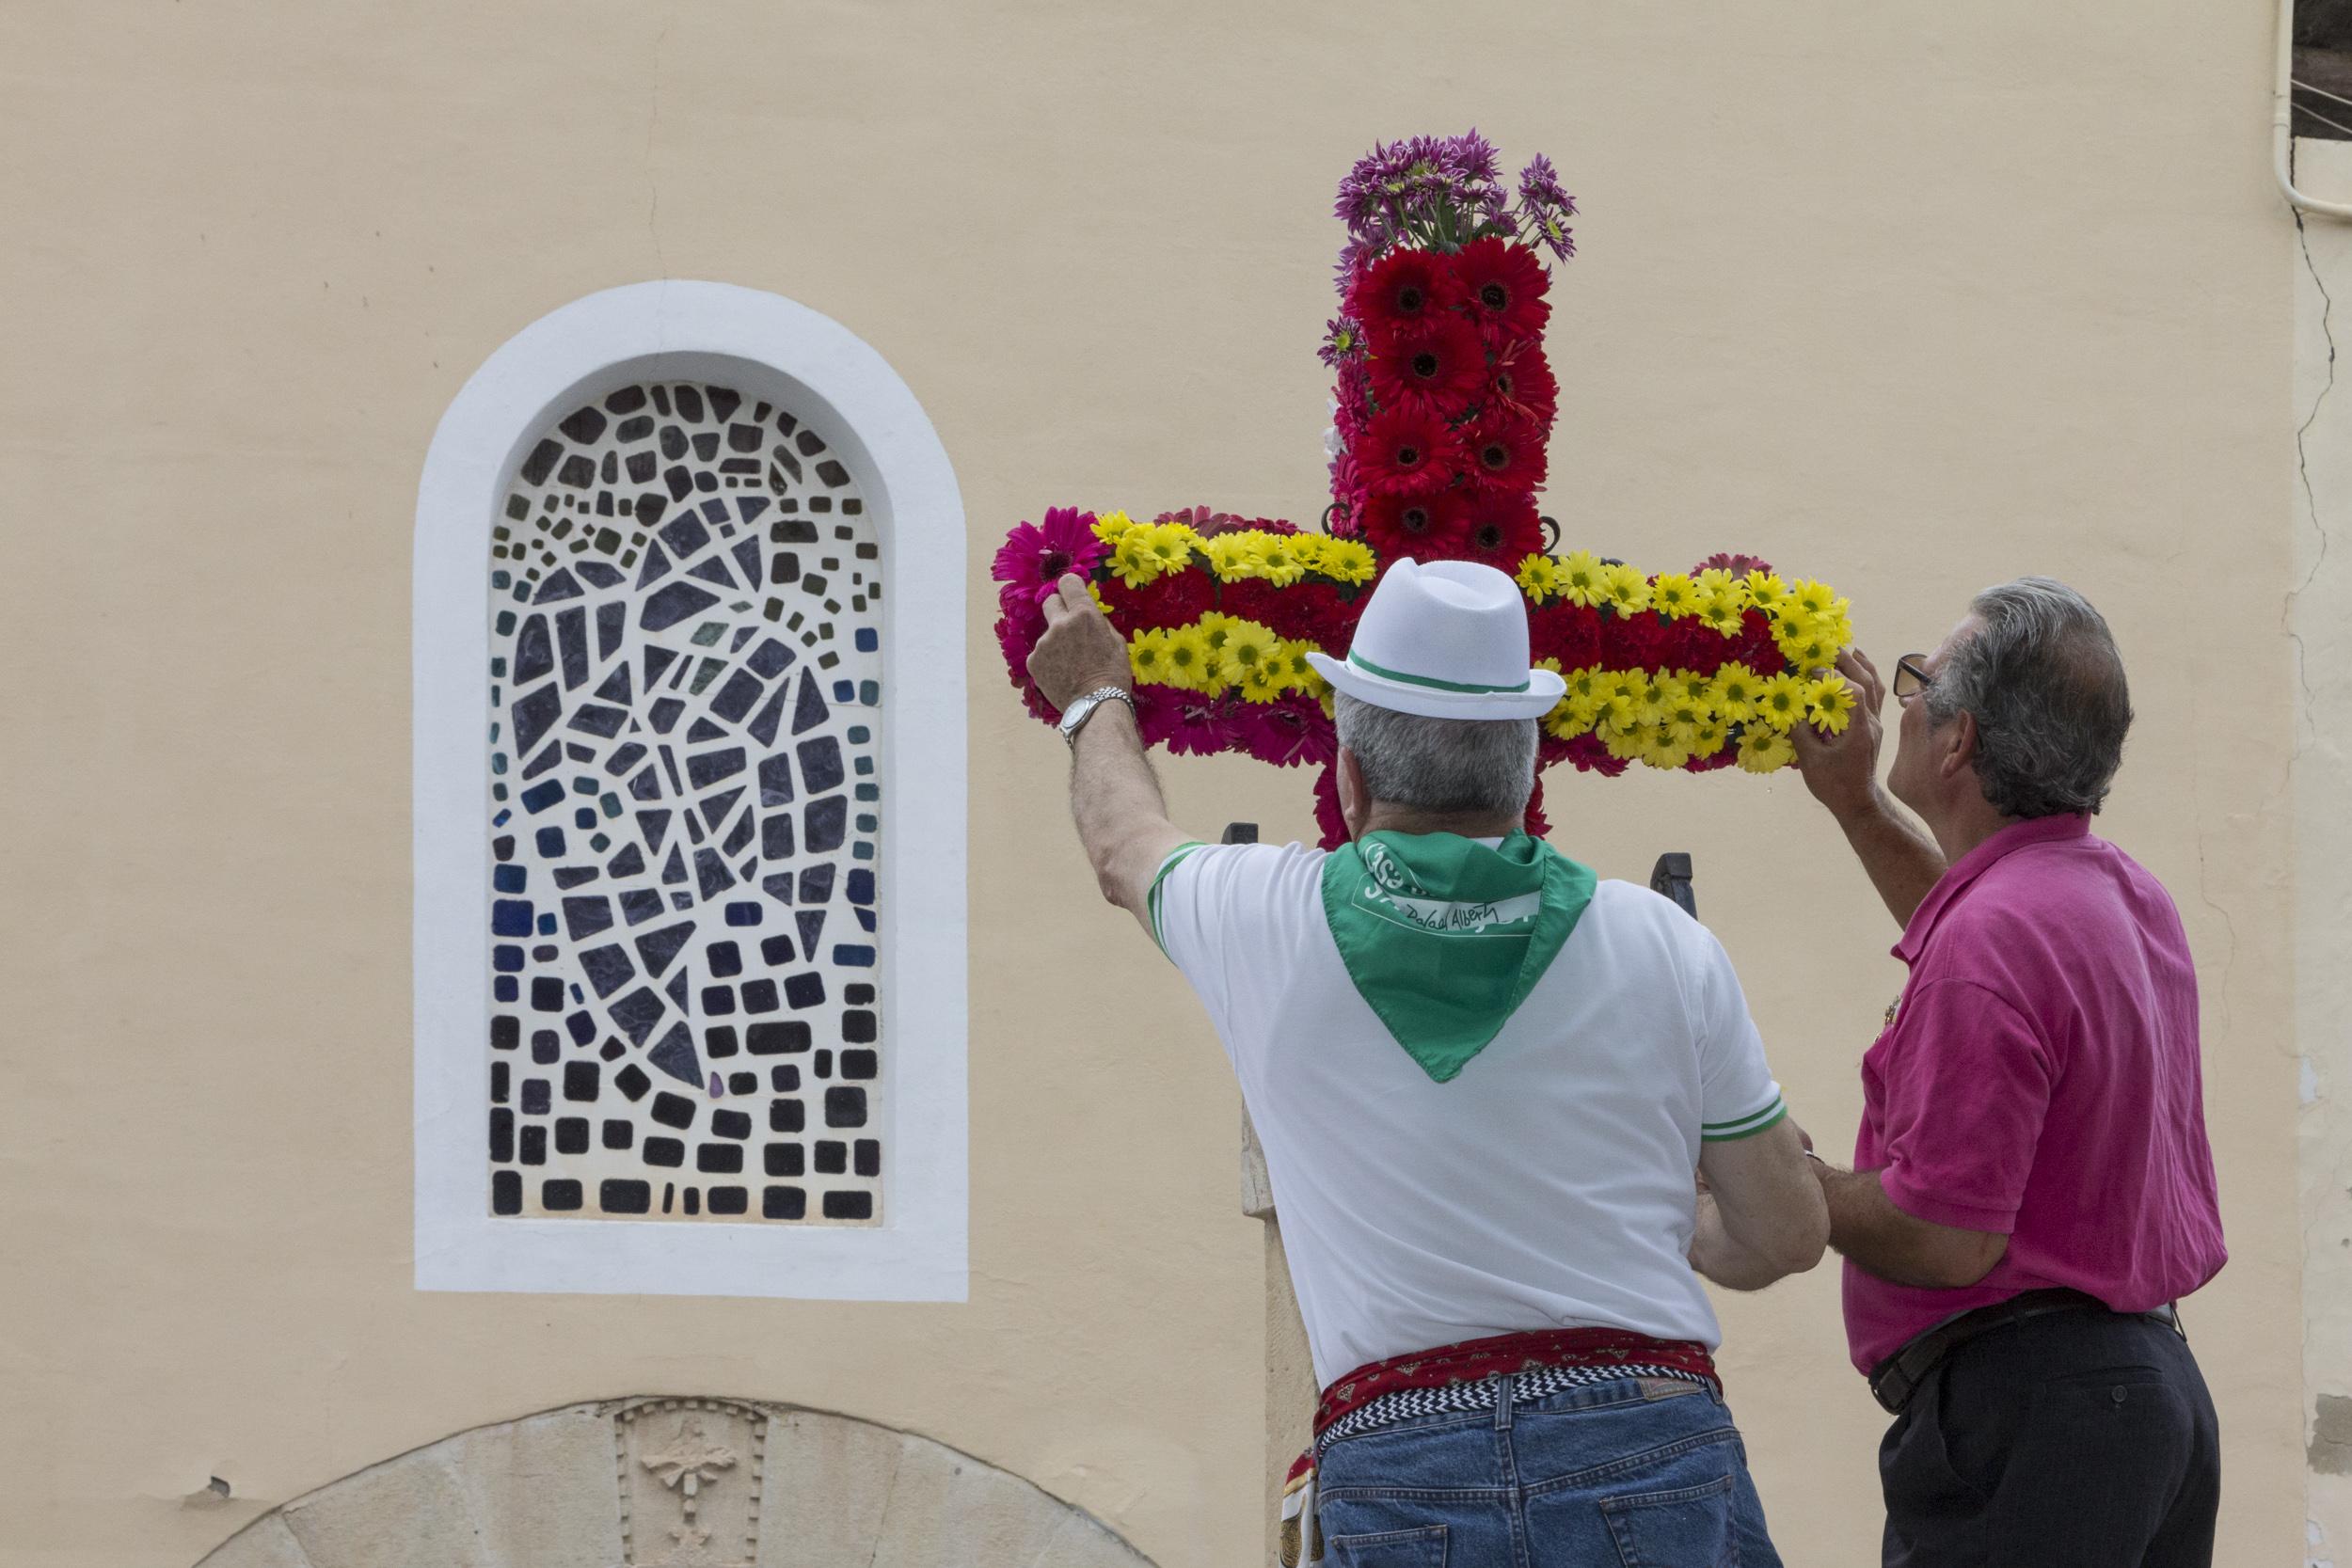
{"points": [[2032, 1189]]}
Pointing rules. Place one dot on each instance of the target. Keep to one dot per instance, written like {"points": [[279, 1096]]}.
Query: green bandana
{"points": [[1445, 937]]}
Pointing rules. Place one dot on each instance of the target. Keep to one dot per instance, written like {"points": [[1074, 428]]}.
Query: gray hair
{"points": [[1439, 765], [2045, 685]]}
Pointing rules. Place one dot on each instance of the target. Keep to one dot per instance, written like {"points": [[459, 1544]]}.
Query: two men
{"points": [[1483, 1079]]}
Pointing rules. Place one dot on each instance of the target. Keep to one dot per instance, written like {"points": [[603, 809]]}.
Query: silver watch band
{"points": [[1083, 709]]}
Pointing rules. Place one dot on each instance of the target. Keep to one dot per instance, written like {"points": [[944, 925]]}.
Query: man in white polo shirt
{"points": [[1484, 1080]]}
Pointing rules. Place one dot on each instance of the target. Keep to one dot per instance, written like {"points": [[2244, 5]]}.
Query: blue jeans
{"points": [[1645, 1472]]}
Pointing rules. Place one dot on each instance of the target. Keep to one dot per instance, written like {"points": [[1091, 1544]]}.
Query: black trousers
{"points": [[2076, 1440]]}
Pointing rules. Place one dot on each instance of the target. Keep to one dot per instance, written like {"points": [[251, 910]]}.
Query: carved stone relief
{"points": [[689, 1473]]}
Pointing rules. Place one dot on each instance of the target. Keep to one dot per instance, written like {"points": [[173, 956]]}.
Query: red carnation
{"points": [[1403, 288], [1441, 363], [1755, 646], [1521, 383], [1407, 452], [1692, 644], [1328, 816], [1723, 756], [1311, 612], [1427, 528], [1591, 755], [1171, 599], [1635, 642], [1502, 286], [1500, 530], [1248, 600], [1506, 453], [1568, 632], [1534, 821]]}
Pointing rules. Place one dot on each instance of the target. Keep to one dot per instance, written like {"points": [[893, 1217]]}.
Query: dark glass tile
{"points": [[730, 1124], [861, 888], [817, 885], [809, 710], [509, 879], [581, 1080], [581, 1025], [735, 843], [805, 990], [585, 917], [719, 1043], [545, 1046], [608, 969], [616, 689], [691, 1201], [858, 1026], [825, 823], [812, 925], [536, 1096], [506, 1193], [759, 996], [808, 443], [708, 768], [866, 1157], [784, 1159], [785, 567], [547, 994], [844, 692], [718, 1000], [620, 1133], [690, 404], [776, 1039], [559, 585], [858, 995], [724, 959], [718, 1159], [706, 444], [673, 444], [673, 1110], [505, 989], [616, 1196], [845, 1106], [787, 1116], [632, 1083], [680, 480], [535, 653], [783, 1080], [833, 473], [654, 824], [675, 1055], [665, 1152], [724, 401], [833, 1157], [642, 465], [823, 1065], [666, 607], [542, 462], [776, 950], [658, 948], [506, 1032], [504, 847], [651, 503], [711, 873], [507, 959], [775, 1203], [820, 763], [571, 1134], [594, 718], [612, 1050], [534, 716], [675, 872], [853, 955], [742, 1082], [501, 1133], [730, 1200], [584, 425], [636, 1014], [859, 1065], [666, 715], [559, 1194], [745, 915], [638, 905], [533, 1146], [628, 400], [849, 1206]]}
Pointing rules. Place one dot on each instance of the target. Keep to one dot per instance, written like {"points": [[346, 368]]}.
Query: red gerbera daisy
{"points": [[1505, 452], [1521, 383], [1738, 565], [1536, 823], [1288, 731], [1200, 726], [1503, 287], [1441, 363], [1407, 452], [1428, 527], [1328, 816], [1403, 288], [1500, 530]]}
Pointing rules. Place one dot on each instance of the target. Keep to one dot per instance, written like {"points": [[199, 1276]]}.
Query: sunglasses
{"points": [[1911, 675]]}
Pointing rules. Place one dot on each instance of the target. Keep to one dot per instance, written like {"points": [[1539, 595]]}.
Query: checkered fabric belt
{"points": [[1526, 1388]]}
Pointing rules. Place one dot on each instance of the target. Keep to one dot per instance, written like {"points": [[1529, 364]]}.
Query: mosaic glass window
{"points": [[684, 798]]}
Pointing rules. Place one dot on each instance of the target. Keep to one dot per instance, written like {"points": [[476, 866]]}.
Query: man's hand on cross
{"points": [[1081, 651]]}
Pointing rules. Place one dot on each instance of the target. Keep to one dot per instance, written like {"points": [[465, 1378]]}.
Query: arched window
{"points": [[703, 888]]}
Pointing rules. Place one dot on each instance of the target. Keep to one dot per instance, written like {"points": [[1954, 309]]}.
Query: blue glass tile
{"points": [[604, 841], [744, 914], [868, 641], [538, 797], [869, 693], [507, 959], [498, 792], [505, 623], [585, 819], [724, 959], [509, 879], [546, 924], [551, 843], [860, 735], [510, 917], [610, 804], [867, 791], [861, 851], [860, 887], [844, 692], [865, 918], [853, 958], [582, 1024], [499, 820], [503, 987], [497, 762]]}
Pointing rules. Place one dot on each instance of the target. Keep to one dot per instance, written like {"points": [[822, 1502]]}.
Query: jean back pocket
{"points": [[1400, 1549], [1688, 1528]]}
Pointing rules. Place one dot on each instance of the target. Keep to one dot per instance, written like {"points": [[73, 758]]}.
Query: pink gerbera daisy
{"points": [[1034, 556]]}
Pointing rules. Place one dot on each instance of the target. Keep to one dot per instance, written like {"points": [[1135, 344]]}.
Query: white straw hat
{"points": [[1445, 641]]}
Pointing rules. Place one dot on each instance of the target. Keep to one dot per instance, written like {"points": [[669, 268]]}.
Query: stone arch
{"points": [[692, 1482]]}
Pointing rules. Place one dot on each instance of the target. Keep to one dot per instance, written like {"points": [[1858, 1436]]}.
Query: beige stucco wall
{"points": [[1913, 297]]}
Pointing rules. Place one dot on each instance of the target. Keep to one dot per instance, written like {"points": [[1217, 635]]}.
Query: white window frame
{"points": [[769, 348]]}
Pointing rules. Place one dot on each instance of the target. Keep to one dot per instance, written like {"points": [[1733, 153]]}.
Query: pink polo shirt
{"points": [[2041, 1078]]}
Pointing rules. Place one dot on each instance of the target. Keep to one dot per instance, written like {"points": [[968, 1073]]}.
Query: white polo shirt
{"points": [[1550, 1185]]}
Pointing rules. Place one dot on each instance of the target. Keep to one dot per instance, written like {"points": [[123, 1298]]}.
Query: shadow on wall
{"points": [[2323, 68], [694, 1483]]}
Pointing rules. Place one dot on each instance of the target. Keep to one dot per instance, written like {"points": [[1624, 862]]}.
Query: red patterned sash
{"points": [[1476, 1360]]}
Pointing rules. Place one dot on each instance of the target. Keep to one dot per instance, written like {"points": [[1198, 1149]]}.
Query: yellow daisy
{"points": [[1723, 611], [1584, 696], [1580, 579], [1762, 750], [1626, 745], [1813, 652], [1132, 560], [1346, 561], [1263, 682], [1676, 594], [1732, 693], [1299, 675], [1250, 652], [1112, 526], [1679, 716], [1715, 583], [1171, 543], [1188, 661], [1814, 598], [1662, 748], [1829, 703], [1765, 591], [1780, 702], [1707, 738], [1230, 556], [1539, 578], [1275, 558], [1147, 655], [1624, 589]]}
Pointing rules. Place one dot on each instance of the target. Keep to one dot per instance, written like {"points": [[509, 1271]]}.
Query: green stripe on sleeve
{"points": [[1747, 1126], [1151, 900]]}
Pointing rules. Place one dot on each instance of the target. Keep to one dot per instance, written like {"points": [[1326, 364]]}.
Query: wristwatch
{"points": [[1074, 716]]}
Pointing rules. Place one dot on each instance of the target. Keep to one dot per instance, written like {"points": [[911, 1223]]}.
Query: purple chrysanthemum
{"points": [[1545, 207]]}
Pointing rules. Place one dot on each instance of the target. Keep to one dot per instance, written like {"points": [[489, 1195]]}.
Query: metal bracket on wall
{"points": [[1671, 877]]}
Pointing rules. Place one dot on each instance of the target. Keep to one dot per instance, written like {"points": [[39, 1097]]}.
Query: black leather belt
{"points": [[1893, 1380]]}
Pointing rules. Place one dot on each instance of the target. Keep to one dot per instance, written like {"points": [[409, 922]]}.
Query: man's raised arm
{"points": [[1122, 815], [1841, 770]]}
